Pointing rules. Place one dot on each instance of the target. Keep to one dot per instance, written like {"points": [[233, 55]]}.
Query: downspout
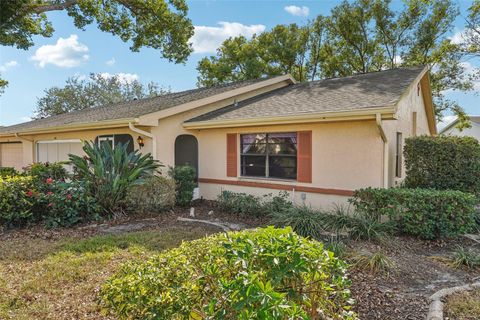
{"points": [[147, 134], [33, 147], [378, 118]]}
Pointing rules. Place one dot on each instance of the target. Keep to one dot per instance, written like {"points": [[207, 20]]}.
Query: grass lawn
{"points": [[59, 279], [463, 306]]}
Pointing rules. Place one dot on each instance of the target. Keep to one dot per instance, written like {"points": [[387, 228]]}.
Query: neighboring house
{"points": [[318, 140], [474, 131]]}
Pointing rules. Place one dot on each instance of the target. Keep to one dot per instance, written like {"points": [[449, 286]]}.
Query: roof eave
{"points": [[350, 115], [74, 127]]}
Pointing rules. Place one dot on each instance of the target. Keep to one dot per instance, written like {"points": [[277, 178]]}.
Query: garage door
{"points": [[58, 150], [11, 155]]}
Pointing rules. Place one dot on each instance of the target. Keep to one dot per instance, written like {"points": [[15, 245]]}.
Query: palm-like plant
{"points": [[110, 172]]}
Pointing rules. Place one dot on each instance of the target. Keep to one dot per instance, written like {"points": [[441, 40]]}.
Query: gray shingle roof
{"points": [[370, 90], [125, 110]]}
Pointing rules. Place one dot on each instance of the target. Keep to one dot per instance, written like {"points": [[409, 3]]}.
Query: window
{"points": [[414, 124], [115, 139], [269, 155], [398, 156]]}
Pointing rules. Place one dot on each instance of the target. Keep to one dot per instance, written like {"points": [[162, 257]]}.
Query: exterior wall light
{"points": [[140, 141]]}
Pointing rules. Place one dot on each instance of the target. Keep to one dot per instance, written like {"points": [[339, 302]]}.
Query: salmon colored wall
{"points": [[411, 102]]}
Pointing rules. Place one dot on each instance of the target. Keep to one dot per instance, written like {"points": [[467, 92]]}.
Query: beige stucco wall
{"points": [[29, 142], [411, 101]]}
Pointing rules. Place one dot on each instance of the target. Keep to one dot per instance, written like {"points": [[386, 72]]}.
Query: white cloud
{"points": [[208, 39], [25, 119], [123, 77], [297, 11], [110, 62], [458, 37], [66, 53], [8, 65]]}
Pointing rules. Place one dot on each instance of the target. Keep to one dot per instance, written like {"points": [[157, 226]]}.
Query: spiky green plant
{"points": [[304, 220], [110, 172], [358, 225], [377, 262], [466, 258]]}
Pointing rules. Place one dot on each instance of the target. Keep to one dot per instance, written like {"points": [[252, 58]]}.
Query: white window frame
{"points": [[106, 138]]}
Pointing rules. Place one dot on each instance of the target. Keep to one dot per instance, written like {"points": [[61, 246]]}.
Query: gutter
{"points": [[378, 118], [147, 134], [388, 112]]}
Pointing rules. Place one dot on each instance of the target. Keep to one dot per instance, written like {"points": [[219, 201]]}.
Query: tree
{"points": [[158, 24], [357, 37], [98, 90]]}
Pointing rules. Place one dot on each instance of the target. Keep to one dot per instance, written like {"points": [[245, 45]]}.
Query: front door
{"points": [[186, 151]]}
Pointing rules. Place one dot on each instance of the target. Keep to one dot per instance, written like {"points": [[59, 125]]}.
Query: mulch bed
{"points": [[421, 267]]}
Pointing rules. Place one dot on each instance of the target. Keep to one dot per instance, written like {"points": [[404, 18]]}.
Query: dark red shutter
{"points": [[232, 155], [304, 156]]}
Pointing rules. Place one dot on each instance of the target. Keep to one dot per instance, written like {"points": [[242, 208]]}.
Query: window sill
{"points": [[266, 179]]}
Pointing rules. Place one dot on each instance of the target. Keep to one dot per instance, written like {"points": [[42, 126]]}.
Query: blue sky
{"points": [[71, 51]]}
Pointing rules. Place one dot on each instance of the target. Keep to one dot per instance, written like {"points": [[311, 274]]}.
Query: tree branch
{"points": [[54, 7]]}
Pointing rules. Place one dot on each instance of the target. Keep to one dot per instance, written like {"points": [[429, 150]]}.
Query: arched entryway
{"points": [[186, 151]]}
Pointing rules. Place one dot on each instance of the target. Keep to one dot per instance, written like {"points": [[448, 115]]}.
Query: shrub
{"points": [[250, 205], [426, 213], [184, 177], [443, 162], [59, 203], [16, 200], [7, 172], [43, 171], [253, 274], [358, 224], [377, 262], [109, 173], [466, 258], [156, 194], [304, 220]]}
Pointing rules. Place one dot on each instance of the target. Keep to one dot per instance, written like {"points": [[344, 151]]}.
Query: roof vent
{"points": [[235, 103]]}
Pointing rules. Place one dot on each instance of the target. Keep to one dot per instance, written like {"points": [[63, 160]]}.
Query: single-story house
{"points": [[317, 140], [474, 130]]}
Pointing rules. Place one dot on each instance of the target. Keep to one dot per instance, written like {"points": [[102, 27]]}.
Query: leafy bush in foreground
{"points": [[15, 201], [156, 194], [7, 172], [425, 213], [40, 172], [255, 274], [184, 177], [443, 163]]}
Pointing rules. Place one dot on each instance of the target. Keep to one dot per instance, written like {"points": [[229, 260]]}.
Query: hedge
{"points": [[443, 163], [427, 213], [253, 274]]}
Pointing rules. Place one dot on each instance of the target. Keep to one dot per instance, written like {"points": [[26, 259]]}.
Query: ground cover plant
{"points": [[58, 277], [463, 306], [254, 274], [251, 205]]}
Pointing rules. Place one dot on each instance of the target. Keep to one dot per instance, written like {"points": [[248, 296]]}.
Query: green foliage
{"points": [[40, 172], [15, 201], [158, 24], [250, 205], [110, 173], [466, 258], [443, 162], [184, 177], [304, 220], [338, 248], [426, 213], [7, 172], [254, 274], [375, 263], [63, 204], [356, 37], [97, 90], [156, 194]]}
